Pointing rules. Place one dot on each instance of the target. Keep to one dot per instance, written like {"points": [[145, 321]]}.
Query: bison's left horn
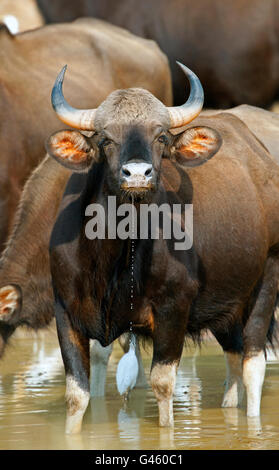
{"points": [[82, 119], [181, 115]]}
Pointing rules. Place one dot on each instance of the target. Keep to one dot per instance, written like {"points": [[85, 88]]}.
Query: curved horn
{"points": [[181, 115], [82, 119]]}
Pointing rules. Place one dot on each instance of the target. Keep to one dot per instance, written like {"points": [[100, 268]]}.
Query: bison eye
{"points": [[105, 142], [163, 139]]}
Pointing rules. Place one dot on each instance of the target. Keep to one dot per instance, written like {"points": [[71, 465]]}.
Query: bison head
{"points": [[130, 131]]}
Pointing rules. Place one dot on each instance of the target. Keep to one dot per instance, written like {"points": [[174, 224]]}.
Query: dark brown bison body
{"points": [[232, 46], [227, 282], [25, 261], [102, 58]]}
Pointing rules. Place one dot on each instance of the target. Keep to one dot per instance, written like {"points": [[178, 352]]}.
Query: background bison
{"points": [[233, 46], [102, 58]]}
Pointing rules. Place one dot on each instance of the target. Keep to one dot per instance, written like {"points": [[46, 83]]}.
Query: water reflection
{"points": [[32, 406], [128, 424], [45, 368], [231, 417]]}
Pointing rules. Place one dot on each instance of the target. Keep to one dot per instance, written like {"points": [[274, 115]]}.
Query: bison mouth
{"points": [[137, 191]]}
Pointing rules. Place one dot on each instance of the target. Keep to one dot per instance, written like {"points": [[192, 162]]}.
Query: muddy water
{"points": [[32, 407]]}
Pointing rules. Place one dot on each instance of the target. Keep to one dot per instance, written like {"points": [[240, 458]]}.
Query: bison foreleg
{"points": [[163, 378], [75, 353], [168, 340]]}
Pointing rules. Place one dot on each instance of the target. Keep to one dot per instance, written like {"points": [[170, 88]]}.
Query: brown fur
{"points": [[26, 260], [105, 58], [226, 283], [235, 196], [26, 12], [231, 45]]}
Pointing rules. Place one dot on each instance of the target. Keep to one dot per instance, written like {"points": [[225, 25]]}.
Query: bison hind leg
{"points": [[234, 389], [231, 341], [255, 335], [99, 356]]}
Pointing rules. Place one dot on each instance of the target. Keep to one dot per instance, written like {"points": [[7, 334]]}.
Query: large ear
{"points": [[71, 149], [5, 30], [196, 146], [10, 301]]}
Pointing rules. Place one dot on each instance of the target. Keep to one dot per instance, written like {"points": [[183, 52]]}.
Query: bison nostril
{"points": [[126, 172], [148, 171], [136, 170]]}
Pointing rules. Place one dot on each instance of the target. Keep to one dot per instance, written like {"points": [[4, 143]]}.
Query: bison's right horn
{"points": [[82, 119]]}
